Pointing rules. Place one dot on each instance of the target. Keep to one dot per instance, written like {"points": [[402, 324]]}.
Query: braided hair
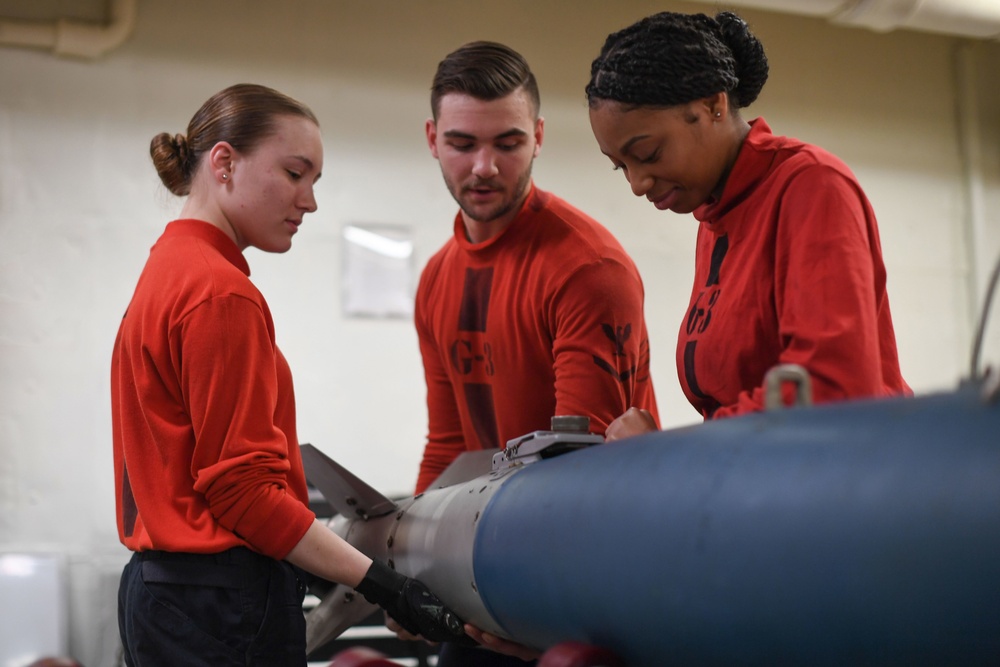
{"points": [[668, 59]]}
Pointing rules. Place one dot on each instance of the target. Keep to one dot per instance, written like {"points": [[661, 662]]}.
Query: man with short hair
{"points": [[532, 309]]}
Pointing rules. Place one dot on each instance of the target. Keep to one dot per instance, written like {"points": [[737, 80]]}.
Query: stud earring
{"points": [[225, 176], [718, 114]]}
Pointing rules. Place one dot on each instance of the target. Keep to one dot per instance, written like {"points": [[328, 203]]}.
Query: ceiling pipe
{"points": [[72, 38], [979, 19]]}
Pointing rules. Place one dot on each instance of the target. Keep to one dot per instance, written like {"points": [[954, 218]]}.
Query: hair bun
{"points": [[180, 145], [171, 157], [748, 52]]}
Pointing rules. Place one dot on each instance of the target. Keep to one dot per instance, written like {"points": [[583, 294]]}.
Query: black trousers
{"points": [[235, 608]]}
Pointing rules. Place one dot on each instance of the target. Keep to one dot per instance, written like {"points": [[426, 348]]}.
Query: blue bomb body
{"points": [[864, 532]]}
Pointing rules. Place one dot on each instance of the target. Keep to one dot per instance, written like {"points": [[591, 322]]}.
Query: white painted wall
{"points": [[80, 204]]}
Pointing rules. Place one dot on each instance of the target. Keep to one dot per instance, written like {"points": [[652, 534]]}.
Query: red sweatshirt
{"points": [[788, 270], [205, 449], [544, 319]]}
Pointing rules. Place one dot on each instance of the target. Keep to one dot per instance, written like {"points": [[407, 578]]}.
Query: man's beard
{"points": [[502, 209]]}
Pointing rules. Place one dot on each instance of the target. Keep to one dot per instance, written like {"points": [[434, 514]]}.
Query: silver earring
{"points": [[718, 114], [225, 176]]}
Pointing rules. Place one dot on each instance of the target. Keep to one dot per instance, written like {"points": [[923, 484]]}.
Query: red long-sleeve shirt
{"points": [[205, 449], [788, 270], [544, 319]]}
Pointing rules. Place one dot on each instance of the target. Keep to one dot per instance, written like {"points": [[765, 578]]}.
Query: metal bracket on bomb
{"points": [[569, 433]]}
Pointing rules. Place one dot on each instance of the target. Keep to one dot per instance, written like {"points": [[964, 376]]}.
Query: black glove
{"points": [[411, 604]]}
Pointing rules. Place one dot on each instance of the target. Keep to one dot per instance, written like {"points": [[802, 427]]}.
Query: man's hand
{"points": [[411, 604], [635, 421], [501, 645]]}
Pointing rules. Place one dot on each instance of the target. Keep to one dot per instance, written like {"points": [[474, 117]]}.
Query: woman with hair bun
{"points": [[209, 485], [788, 265]]}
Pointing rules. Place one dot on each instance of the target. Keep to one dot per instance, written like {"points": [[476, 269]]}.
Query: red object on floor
{"points": [[360, 656], [578, 654]]}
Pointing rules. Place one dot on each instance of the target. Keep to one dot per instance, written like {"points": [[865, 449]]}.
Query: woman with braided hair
{"points": [[788, 264]]}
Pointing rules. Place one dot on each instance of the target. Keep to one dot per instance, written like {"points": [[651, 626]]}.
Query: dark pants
{"points": [[456, 655], [235, 608]]}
